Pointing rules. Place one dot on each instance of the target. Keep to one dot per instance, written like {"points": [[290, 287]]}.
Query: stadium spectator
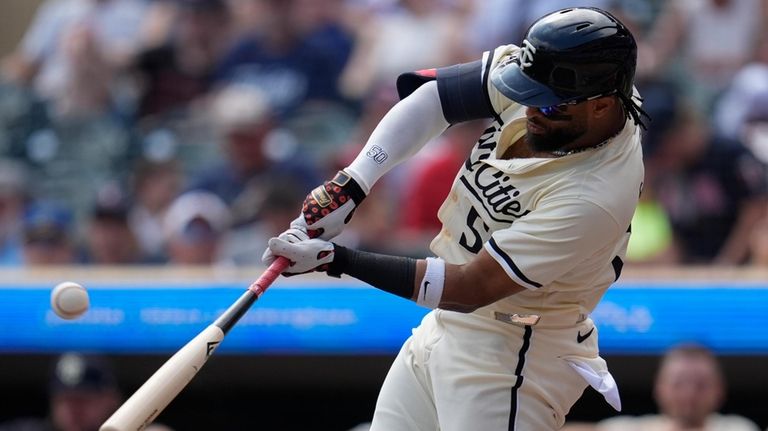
{"points": [[759, 245], [261, 212], [651, 241], [689, 390], [431, 179], [704, 43], [194, 227], [754, 129], [180, 70], [291, 57], [255, 152], [72, 53], [109, 238], [12, 200], [714, 192], [739, 99], [155, 185], [83, 393], [491, 23], [415, 34], [48, 233]]}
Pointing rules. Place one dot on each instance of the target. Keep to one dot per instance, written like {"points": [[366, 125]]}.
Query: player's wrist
{"points": [[393, 274], [340, 261], [360, 179], [346, 180], [431, 286]]}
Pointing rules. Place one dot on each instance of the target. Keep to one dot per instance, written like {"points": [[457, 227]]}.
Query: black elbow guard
{"points": [[462, 90]]}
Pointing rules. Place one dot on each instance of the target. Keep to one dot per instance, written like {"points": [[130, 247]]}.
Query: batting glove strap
{"points": [[330, 206], [393, 274]]}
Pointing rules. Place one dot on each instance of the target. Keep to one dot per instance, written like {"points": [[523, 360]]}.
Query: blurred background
{"points": [[149, 148]]}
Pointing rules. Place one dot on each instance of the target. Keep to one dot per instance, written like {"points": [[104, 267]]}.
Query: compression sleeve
{"points": [[403, 131]]}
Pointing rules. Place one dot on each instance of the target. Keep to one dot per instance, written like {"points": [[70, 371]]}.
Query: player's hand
{"points": [[305, 255], [294, 234], [329, 207]]}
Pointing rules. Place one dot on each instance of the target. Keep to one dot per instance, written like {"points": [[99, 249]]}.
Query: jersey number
{"points": [[477, 241]]}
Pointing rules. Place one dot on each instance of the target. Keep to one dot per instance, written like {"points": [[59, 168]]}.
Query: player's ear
{"points": [[602, 106]]}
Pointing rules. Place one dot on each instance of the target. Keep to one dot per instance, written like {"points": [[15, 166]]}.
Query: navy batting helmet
{"points": [[568, 56]]}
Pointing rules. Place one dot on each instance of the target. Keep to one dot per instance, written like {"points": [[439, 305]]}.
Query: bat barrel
{"points": [[159, 390], [156, 393]]}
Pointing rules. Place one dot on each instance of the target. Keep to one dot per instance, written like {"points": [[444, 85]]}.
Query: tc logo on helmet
{"points": [[526, 54]]}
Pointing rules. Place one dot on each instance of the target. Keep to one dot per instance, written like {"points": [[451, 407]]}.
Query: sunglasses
{"points": [[550, 111], [560, 109]]}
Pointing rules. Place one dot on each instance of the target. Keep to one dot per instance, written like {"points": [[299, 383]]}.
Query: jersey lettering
{"points": [[500, 196], [477, 240], [484, 146], [493, 189]]}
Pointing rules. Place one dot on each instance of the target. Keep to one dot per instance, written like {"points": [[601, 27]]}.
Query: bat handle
{"points": [[270, 274]]}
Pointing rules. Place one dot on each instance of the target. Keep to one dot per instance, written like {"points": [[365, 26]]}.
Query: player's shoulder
{"points": [[493, 62], [503, 52]]}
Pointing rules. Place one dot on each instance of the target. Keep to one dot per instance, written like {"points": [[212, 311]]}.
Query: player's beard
{"points": [[554, 139]]}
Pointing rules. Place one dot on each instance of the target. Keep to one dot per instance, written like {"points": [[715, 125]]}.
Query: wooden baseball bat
{"points": [[159, 390]]}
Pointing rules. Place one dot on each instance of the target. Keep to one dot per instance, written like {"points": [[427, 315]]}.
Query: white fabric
{"points": [[431, 286], [457, 372], [558, 226], [557, 223], [403, 131], [594, 372]]}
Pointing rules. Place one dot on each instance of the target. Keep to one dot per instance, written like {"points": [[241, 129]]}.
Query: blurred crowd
{"points": [[188, 131]]}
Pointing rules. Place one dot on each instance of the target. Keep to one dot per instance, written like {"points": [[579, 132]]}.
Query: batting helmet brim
{"points": [[516, 85]]}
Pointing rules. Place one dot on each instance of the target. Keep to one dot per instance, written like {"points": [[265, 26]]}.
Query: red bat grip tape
{"points": [[270, 274]]}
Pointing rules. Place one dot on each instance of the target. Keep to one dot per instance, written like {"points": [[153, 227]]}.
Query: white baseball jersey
{"points": [[557, 226]]}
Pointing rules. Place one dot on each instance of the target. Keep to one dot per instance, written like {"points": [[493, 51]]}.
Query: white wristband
{"points": [[431, 286]]}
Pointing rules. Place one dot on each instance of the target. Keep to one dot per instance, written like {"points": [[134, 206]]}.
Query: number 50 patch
{"points": [[377, 154]]}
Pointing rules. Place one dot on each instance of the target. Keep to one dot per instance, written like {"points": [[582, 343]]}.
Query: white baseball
{"points": [[69, 300]]}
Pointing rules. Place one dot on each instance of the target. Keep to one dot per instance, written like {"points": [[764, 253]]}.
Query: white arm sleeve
{"points": [[403, 131]]}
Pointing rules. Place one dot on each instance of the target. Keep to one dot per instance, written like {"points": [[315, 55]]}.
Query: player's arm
{"points": [[431, 101], [405, 129], [533, 252], [429, 282]]}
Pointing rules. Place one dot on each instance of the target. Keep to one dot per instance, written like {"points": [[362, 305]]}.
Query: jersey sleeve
{"points": [[552, 240], [465, 89]]}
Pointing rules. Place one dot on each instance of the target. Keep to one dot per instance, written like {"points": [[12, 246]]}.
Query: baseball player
{"points": [[534, 228]]}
